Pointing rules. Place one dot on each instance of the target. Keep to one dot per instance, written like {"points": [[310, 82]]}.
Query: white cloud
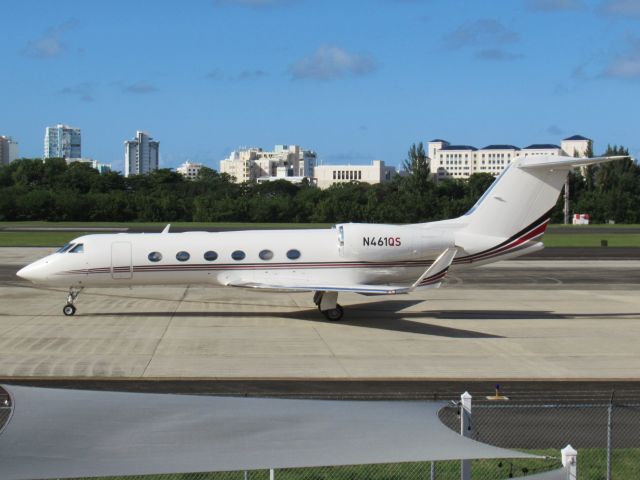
{"points": [[554, 5], [139, 88], [84, 91], [498, 54], [330, 62], [621, 7], [50, 44], [249, 74], [626, 66], [254, 3], [483, 32]]}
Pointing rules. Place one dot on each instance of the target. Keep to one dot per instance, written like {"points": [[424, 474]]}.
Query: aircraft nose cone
{"points": [[24, 273], [30, 272]]}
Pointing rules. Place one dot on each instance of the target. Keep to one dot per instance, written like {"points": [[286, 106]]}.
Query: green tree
{"points": [[417, 165]]}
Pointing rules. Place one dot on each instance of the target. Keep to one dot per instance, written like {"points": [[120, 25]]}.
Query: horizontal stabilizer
{"points": [[564, 162]]}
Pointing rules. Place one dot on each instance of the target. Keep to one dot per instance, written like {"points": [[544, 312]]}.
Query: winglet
{"points": [[437, 271], [166, 229]]}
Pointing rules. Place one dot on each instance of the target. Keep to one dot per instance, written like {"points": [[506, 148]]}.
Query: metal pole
{"points": [[433, 470], [609, 435], [465, 431], [272, 475], [246, 475], [566, 201]]}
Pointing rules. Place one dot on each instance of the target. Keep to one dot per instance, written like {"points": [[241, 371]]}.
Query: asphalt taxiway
{"points": [[515, 320]]}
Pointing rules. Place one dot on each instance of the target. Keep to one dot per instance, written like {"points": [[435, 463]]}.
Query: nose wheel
{"points": [[70, 309]]}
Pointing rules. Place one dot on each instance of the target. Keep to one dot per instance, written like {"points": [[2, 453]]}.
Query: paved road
{"points": [[519, 392]]}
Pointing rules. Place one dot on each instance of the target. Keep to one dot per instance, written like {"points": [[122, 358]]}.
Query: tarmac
{"points": [[540, 320]]}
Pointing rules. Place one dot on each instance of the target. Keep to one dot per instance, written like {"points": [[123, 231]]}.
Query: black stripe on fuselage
{"points": [[544, 218]]}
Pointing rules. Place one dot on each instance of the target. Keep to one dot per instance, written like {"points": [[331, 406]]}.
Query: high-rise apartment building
{"points": [[62, 141], [141, 154], [8, 150]]}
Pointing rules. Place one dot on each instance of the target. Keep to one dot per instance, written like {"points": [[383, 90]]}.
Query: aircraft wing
{"points": [[293, 286], [431, 278]]}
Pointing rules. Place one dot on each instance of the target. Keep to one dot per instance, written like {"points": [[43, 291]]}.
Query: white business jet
{"points": [[370, 259]]}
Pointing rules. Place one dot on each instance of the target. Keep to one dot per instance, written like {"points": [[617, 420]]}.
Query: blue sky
{"points": [[353, 80]]}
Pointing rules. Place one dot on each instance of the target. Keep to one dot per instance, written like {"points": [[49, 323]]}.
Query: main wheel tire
{"points": [[334, 314], [69, 310]]}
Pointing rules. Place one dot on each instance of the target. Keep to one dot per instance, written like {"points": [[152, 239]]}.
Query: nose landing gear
{"points": [[328, 305], [70, 309]]}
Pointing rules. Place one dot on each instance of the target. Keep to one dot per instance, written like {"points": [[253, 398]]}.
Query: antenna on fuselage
{"points": [[166, 229]]}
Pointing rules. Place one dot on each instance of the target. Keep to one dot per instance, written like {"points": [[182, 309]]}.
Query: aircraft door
{"points": [[121, 264]]}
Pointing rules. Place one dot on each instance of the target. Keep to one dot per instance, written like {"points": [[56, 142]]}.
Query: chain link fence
{"points": [[606, 436]]}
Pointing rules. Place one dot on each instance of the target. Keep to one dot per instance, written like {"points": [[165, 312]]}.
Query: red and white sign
{"points": [[581, 219]]}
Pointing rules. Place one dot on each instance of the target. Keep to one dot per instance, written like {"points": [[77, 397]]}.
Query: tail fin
{"points": [[522, 197]]}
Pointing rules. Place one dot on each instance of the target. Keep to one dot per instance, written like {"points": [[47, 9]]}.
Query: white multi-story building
{"points": [[462, 161], [62, 141], [189, 170], [8, 150], [282, 173], [250, 164], [141, 154], [101, 167], [576, 145], [377, 172]]}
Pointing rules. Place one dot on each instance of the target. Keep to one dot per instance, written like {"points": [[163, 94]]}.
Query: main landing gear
{"points": [[327, 303], [70, 309]]}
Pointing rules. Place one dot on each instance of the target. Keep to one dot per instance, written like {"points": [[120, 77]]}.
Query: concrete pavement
{"points": [[498, 326]]}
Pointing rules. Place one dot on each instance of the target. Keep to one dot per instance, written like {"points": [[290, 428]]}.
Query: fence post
{"points": [[272, 474], [433, 470], [570, 461], [609, 435], [465, 431]]}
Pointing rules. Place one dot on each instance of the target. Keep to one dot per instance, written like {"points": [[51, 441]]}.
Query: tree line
{"points": [[32, 189]]}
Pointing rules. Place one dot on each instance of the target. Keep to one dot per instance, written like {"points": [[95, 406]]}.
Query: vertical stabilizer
{"points": [[522, 197]]}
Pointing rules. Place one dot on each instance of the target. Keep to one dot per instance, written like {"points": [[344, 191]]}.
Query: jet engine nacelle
{"points": [[391, 242]]}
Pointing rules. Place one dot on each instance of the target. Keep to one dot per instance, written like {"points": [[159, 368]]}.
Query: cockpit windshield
{"points": [[79, 248], [65, 247]]}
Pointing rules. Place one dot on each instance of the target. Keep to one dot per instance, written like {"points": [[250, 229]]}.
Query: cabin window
{"points": [[79, 248], [210, 256], [65, 247], [293, 254], [238, 255], [266, 254], [154, 256], [182, 256]]}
